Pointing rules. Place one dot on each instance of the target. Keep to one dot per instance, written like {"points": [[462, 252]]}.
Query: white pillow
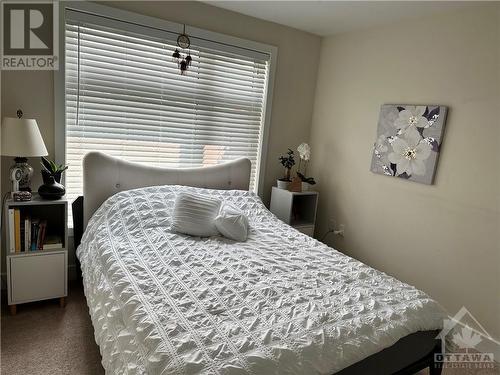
{"points": [[194, 215], [232, 223]]}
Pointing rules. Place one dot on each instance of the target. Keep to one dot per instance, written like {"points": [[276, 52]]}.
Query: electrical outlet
{"points": [[341, 231]]}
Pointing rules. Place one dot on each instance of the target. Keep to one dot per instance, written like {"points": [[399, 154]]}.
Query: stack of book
{"points": [[27, 234]]}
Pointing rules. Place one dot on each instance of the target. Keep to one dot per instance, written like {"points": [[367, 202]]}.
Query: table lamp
{"points": [[21, 138]]}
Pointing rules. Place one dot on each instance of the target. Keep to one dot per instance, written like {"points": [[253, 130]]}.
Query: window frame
{"points": [[168, 26]]}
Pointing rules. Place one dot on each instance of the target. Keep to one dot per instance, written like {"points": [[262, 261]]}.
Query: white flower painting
{"points": [[409, 152], [411, 118], [408, 141]]}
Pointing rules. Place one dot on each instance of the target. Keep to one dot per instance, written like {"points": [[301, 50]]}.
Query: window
{"points": [[125, 96]]}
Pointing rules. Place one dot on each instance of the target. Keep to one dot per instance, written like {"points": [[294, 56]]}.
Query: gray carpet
{"points": [[45, 339]]}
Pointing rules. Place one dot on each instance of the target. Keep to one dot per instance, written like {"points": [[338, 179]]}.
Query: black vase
{"points": [[50, 188]]}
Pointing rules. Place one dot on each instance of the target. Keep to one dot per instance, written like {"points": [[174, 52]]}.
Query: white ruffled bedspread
{"points": [[279, 303]]}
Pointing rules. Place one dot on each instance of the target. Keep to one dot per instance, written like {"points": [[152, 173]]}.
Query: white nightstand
{"points": [[297, 209], [35, 275]]}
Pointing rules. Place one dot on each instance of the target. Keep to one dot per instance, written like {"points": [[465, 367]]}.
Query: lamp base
{"points": [[27, 173]]}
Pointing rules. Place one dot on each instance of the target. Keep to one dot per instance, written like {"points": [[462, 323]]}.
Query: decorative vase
{"points": [[283, 184], [51, 189]]}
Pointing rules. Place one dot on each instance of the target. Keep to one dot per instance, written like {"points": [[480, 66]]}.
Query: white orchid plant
{"points": [[304, 151]]}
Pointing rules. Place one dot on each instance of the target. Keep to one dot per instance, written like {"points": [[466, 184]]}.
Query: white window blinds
{"points": [[125, 96]]}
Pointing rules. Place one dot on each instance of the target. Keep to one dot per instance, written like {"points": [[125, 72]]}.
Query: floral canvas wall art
{"points": [[408, 141]]}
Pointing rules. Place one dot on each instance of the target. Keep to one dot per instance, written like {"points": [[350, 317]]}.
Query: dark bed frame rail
{"points": [[77, 207], [372, 365], [399, 359], [426, 362]]}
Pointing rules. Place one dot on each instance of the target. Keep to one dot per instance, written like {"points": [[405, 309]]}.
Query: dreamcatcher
{"points": [[183, 62]]}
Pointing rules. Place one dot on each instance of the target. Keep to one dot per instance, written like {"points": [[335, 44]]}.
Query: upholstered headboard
{"points": [[105, 175]]}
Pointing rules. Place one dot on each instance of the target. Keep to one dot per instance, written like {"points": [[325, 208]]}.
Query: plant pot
{"points": [[305, 186], [283, 184], [50, 188], [296, 185]]}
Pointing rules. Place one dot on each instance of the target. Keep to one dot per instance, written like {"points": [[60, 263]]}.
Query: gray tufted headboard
{"points": [[105, 175]]}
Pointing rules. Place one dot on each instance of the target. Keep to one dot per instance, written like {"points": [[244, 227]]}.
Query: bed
{"points": [[279, 303]]}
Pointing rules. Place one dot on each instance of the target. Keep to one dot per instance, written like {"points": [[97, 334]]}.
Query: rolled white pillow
{"points": [[194, 214], [232, 223]]}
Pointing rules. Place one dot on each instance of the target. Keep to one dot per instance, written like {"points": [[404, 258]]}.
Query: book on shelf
{"points": [[12, 236], [27, 233], [35, 226], [41, 234], [17, 229], [21, 233]]}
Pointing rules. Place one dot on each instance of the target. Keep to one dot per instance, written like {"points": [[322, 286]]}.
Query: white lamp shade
{"points": [[21, 137]]}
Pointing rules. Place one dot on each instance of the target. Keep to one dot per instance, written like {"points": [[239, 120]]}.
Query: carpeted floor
{"points": [[45, 339]]}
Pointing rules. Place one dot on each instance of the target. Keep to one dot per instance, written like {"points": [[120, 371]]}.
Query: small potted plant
{"points": [[51, 175], [304, 154], [287, 161], [49, 168]]}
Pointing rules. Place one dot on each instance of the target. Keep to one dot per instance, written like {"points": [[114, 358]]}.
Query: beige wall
{"points": [[295, 80], [443, 238]]}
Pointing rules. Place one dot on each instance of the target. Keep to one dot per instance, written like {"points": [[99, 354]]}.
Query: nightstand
{"points": [[37, 250], [298, 209]]}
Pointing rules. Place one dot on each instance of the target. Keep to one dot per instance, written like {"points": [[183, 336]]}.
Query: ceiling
{"points": [[332, 17]]}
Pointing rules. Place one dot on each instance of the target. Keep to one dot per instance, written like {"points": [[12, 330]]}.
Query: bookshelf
{"points": [[37, 250], [298, 209]]}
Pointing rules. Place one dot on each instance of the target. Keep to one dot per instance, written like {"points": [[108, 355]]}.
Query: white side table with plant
{"points": [[292, 200], [37, 242]]}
